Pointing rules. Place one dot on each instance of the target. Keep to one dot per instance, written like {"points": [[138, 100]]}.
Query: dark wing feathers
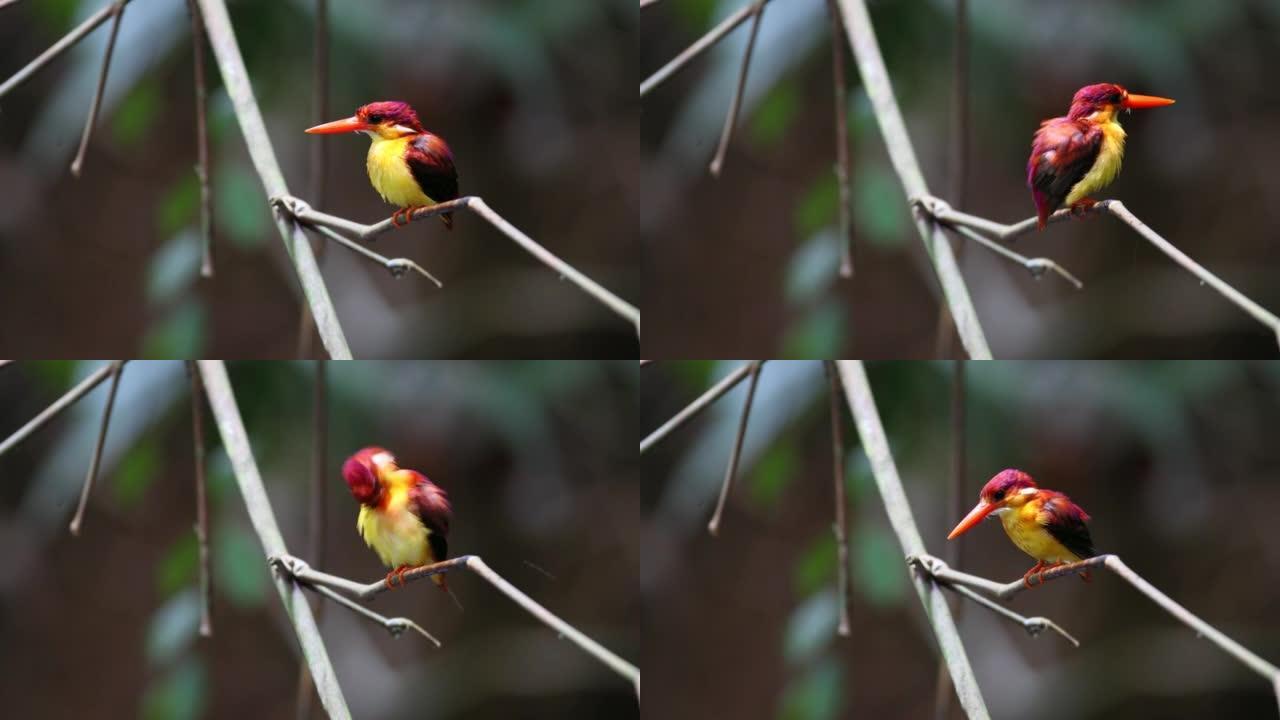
{"points": [[430, 503], [1062, 153], [431, 162], [1065, 521]]}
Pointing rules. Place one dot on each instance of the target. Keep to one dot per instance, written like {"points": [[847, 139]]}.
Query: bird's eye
{"points": [[375, 118], [1114, 98], [998, 495]]}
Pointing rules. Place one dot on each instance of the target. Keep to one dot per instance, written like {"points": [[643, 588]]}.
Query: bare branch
{"points": [[236, 80], [875, 80], [842, 138], [317, 522], [943, 695], [863, 407], [117, 12], [303, 573], [735, 455], [396, 626], [1036, 266], [7, 362], [65, 43], [735, 105], [1033, 625], [396, 266], [696, 407], [699, 46], [116, 366], [317, 174], [643, 3], [202, 511], [202, 143], [841, 525], [56, 408], [235, 441], [304, 213]]}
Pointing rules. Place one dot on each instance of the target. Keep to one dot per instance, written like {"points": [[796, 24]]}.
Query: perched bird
{"points": [[1079, 154], [408, 166], [404, 516], [1043, 524]]}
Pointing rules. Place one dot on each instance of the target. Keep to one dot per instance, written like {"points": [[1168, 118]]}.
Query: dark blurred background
{"points": [[1176, 462], [761, 241], [538, 459], [537, 100]]}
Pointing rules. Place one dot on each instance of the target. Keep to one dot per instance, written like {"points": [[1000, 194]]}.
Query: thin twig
{"points": [[841, 526], [955, 500], [117, 13], [56, 407], [643, 3], [117, 366], [7, 362], [939, 570], [839, 93], [317, 522], [875, 80], [202, 508], [304, 213], [642, 362], [699, 46], [1033, 625], [303, 573], [735, 455], [862, 406], [235, 441], [202, 143], [396, 626], [958, 166], [396, 266], [1037, 266], [235, 78], [64, 43], [6, 3], [319, 151], [735, 105], [696, 406]]}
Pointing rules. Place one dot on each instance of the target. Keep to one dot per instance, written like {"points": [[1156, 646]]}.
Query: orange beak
{"points": [[975, 516], [1137, 101], [346, 125]]}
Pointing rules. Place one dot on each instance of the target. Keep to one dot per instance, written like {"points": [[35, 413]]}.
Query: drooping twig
{"points": [[958, 166], [117, 13], [945, 214], [841, 526], [696, 406], [235, 441], [319, 151], [65, 43], [202, 143], [735, 455], [699, 46], [236, 80], [862, 406], [1037, 266], [939, 570], [955, 501], [1033, 625], [202, 508], [303, 213], [735, 105], [117, 366], [303, 573], [839, 93], [396, 626], [317, 522], [875, 80], [56, 408], [396, 266]]}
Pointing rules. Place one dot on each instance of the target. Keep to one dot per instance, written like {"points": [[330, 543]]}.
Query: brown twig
{"points": [[839, 93], [202, 509], [735, 105], [116, 366], [117, 13], [841, 525], [62, 45], [56, 407], [735, 455], [699, 46], [692, 409], [202, 143], [317, 522], [955, 500], [319, 150]]}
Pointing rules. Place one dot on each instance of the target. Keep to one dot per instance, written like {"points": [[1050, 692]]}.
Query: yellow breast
{"points": [[1105, 168], [1023, 528], [390, 175], [394, 533]]}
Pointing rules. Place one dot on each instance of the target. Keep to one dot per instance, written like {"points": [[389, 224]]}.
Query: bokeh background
{"points": [[538, 459], [1176, 462], [761, 241], [536, 98]]}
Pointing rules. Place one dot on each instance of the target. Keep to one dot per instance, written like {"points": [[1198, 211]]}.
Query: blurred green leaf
{"points": [[816, 566], [177, 569], [179, 335], [879, 571], [818, 333], [811, 627], [816, 694], [134, 474], [239, 209], [775, 114], [818, 207], [55, 376], [173, 627], [57, 16], [239, 570], [135, 118], [772, 473], [814, 266], [696, 16], [173, 267], [179, 694], [179, 204], [879, 211]]}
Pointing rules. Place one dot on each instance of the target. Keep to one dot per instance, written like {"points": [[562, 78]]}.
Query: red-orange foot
{"points": [[403, 215], [1026, 577], [1082, 207], [1085, 576], [395, 574]]}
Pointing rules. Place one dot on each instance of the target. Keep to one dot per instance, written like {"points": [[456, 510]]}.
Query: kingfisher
{"points": [[1043, 524], [408, 166], [404, 516], [1079, 154]]}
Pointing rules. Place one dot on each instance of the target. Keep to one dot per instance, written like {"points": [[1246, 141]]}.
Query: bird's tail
{"points": [[447, 219], [444, 585]]}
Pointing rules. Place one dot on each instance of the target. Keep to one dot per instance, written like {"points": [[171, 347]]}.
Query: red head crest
{"points": [[1004, 484], [360, 471], [393, 112]]}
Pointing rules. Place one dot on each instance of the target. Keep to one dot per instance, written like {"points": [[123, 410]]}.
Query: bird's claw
{"points": [[928, 563], [289, 564], [291, 205], [399, 266], [931, 205]]}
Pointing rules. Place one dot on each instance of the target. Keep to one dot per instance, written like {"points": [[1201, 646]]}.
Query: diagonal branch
{"points": [[703, 402], [235, 78], [875, 80], [699, 46], [303, 213], [735, 105], [117, 13], [303, 573], [735, 455], [56, 407], [65, 43], [862, 405], [117, 366]]}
